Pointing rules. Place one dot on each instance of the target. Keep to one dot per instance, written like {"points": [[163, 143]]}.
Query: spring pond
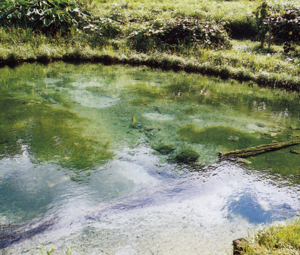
{"points": [[124, 160]]}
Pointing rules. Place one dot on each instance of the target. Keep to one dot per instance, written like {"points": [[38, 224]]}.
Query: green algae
{"points": [[141, 101], [221, 136], [76, 114], [43, 122], [281, 162], [49, 134], [165, 149], [187, 156]]}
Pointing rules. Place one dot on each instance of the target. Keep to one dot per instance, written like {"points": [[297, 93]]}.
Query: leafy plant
{"points": [[46, 16], [176, 32], [261, 14], [283, 25], [109, 27]]}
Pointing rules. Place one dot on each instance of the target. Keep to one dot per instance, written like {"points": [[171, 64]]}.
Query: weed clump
{"points": [[276, 239], [49, 17], [165, 149], [282, 25], [175, 32], [186, 157]]}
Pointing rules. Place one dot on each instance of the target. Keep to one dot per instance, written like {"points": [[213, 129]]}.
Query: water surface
{"points": [[100, 148]]}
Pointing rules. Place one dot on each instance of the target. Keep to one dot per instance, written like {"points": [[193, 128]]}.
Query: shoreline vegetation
{"points": [[239, 39], [159, 60], [223, 38], [279, 238]]}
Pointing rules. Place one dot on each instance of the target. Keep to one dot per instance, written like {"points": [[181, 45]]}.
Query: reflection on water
{"points": [[95, 146]]}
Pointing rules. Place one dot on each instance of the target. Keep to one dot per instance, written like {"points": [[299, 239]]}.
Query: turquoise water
{"points": [[126, 159]]}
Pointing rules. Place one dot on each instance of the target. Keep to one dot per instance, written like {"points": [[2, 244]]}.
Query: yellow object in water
{"points": [[133, 120]]}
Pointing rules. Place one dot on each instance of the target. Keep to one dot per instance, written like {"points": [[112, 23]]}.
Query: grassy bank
{"points": [[238, 56], [244, 64], [275, 239]]}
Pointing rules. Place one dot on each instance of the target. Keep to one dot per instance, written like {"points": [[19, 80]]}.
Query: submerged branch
{"points": [[253, 151]]}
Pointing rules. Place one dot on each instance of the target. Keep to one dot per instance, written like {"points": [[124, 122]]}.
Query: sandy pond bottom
{"points": [[183, 213]]}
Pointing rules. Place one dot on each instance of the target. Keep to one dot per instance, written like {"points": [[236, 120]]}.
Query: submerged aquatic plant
{"points": [[187, 156]]}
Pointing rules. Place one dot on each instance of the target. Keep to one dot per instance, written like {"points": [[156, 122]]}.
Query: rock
{"points": [[239, 246]]}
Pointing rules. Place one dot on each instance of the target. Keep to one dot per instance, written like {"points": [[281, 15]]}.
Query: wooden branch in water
{"points": [[249, 152]]}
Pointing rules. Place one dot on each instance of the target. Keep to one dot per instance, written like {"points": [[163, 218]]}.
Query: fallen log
{"points": [[253, 151]]}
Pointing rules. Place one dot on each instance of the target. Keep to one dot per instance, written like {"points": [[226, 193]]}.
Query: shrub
{"points": [[242, 28], [176, 32], [47, 16], [261, 14], [109, 27], [283, 25]]}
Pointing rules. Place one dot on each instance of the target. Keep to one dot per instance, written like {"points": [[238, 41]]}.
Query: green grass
{"points": [[244, 61], [276, 239]]}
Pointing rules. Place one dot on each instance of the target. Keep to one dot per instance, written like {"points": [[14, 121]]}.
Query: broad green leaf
{"points": [[61, 17], [56, 22], [48, 21]]}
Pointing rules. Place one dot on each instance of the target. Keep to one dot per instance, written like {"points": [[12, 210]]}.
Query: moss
{"points": [[191, 110], [187, 156], [281, 161], [165, 149], [141, 101], [220, 136], [50, 133]]}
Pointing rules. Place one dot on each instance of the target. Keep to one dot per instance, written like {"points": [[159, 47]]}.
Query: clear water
{"points": [[96, 147]]}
